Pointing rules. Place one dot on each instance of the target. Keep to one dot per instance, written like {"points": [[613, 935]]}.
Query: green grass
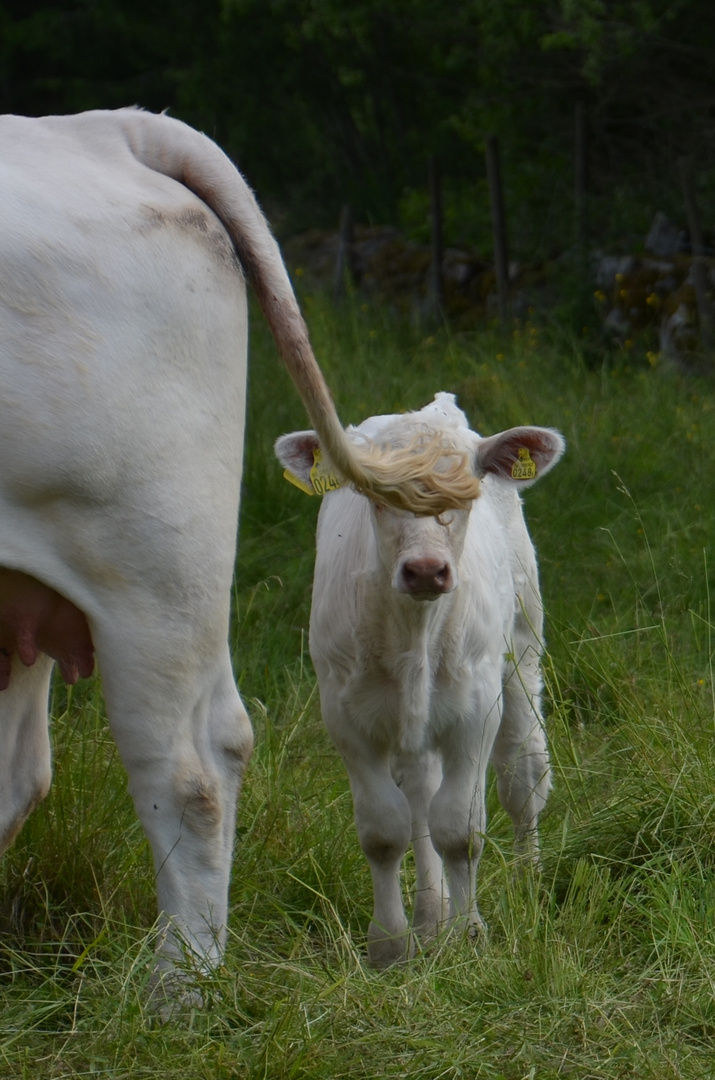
{"points": [[603, 968]]}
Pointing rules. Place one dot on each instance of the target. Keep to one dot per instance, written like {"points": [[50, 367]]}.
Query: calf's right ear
{"points": [[296, 453]]}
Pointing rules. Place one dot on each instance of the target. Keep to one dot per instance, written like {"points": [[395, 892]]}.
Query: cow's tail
{"points": [[427, 477]]}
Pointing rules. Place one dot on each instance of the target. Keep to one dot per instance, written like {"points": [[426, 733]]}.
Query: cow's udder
{"points": [[34, 619]]}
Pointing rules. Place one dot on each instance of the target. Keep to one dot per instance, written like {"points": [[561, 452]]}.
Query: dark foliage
{"points": [[330, 101]]}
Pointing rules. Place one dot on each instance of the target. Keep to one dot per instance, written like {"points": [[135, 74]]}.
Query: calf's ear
{"points": [[296, 453], [520, 455]]}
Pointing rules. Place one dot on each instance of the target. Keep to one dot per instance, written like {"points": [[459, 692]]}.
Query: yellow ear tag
{"points": [[322, 478], [297, 482], [524, 468]]}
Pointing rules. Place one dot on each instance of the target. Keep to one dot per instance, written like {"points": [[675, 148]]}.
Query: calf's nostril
{"points": [[442, 575]]}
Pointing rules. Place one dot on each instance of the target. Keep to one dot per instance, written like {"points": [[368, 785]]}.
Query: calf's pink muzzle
{"points": [[425, 578]]}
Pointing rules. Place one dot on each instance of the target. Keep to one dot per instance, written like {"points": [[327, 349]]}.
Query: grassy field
{"points": [[605, 967]]}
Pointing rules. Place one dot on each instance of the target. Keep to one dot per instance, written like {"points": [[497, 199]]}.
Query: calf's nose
{"points": [[426, 577]]}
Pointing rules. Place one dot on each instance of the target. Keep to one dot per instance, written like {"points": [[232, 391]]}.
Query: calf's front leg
{"points": [[383, 822], [419, 777]]}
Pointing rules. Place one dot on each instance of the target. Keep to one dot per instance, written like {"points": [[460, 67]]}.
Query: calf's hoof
{"points": [[172, 993], [384, 950], [477, 930]]}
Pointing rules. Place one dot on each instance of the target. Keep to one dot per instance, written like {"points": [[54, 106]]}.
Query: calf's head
{"points": [[421, 555]]}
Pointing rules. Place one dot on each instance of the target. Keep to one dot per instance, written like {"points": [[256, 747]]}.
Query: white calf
{"points": [[426, 634]]}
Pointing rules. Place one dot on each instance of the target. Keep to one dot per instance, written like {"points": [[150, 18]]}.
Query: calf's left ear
{"points": [[296, 453], [520, 455]]}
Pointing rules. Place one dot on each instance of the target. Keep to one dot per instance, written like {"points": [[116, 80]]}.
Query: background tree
{"points": [[327, 101]]}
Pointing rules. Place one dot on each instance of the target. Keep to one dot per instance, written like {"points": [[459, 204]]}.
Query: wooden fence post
{"points": [[344, 262], [581, 174], [685, 168], [436, 277], [501, 261]]}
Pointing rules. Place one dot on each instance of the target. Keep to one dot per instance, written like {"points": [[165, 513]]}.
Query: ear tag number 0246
{"points": [[524, 468], [321, 478]]}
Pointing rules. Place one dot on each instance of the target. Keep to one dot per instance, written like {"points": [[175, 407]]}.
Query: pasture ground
{"points": [[604, 967]]}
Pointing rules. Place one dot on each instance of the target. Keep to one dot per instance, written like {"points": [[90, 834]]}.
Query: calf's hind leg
{"points": [[520, 757]]}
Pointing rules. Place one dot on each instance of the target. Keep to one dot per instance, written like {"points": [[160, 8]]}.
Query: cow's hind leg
{"points": [[185, 739], [419, 778], [25, 765], [520, 756]]}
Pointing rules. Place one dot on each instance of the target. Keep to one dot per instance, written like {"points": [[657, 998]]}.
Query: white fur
{"points": [[419, 694]]}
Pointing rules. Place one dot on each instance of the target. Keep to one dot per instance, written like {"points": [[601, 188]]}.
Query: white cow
{"points": [[425, 634], [123, 330]]}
